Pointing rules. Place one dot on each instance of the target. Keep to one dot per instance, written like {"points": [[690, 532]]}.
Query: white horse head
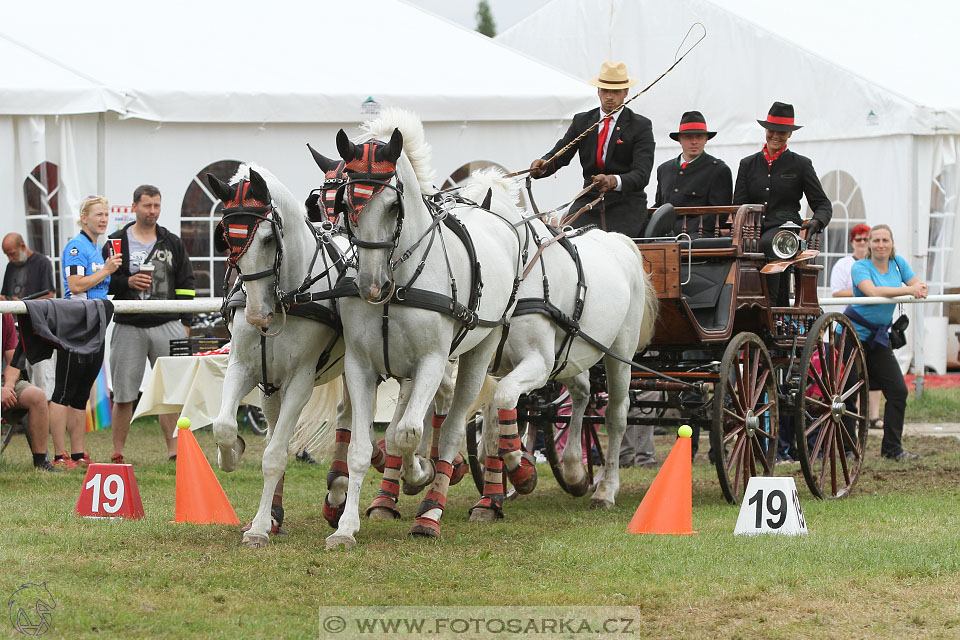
{"points": [[264, 228], [386, 183]]}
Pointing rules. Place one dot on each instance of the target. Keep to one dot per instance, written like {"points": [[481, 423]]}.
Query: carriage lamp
{"points": [[787, 242]]}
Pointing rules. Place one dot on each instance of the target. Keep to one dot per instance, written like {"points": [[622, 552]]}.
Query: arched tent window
{"points": [[460, 175], [943, 207], [199, 216], [40, 197], [848, 212]]}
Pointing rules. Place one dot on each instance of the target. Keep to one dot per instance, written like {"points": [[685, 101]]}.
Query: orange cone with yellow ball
{"points": [[200, 498], [667, 507]]}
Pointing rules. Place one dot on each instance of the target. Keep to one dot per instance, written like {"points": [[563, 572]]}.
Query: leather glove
{"points": [[538, 167], [813, 226]]}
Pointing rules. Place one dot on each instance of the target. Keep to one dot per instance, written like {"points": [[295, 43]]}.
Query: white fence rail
{"points": [[197, 305]]}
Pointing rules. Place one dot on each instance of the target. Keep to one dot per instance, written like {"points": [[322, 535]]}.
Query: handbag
{"points": [[897, 332]]}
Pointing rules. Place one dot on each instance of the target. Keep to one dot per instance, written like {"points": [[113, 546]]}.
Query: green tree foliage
{"points": [[485, 24]]}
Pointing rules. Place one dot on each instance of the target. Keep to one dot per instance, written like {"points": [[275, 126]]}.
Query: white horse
{"points": [[619, 310], [273, 246], [418, 305]]}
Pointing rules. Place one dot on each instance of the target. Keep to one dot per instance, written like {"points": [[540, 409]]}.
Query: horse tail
{"points": [[651, 304]]}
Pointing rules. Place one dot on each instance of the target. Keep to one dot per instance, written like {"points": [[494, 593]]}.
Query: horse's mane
{"points": [[282, 196], [415, 146], [506, 191]]}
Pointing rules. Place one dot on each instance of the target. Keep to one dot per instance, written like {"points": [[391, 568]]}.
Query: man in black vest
{"points": [[694, 178], [616, 156]]}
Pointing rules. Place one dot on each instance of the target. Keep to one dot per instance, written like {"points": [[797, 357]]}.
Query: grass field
{"points": [[882, 564]]}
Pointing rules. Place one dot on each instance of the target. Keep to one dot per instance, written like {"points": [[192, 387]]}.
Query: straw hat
{"points": [[613, 75]]}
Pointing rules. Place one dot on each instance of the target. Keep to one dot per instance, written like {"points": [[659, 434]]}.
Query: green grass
{"points": [[882, 564], [937, 405]]}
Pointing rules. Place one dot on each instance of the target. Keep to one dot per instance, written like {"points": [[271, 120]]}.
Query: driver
{"points": [[616, 157]]}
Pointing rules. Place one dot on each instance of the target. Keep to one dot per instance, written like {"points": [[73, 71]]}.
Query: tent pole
{"points": [[919, 264], [101, 150]]}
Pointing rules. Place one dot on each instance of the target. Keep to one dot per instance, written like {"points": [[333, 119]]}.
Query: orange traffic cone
{"points": [[200, 498], [667, 508]]}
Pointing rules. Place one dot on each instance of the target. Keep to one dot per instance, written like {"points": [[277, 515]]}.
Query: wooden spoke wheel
{"points": [[833, 407], [745, 415]]}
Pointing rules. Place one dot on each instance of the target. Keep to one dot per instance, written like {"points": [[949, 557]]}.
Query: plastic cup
{"points": [[115, 246]]}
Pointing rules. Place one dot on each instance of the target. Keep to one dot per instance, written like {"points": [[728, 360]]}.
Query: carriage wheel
{"points": [[833, 440], [745, 415]]}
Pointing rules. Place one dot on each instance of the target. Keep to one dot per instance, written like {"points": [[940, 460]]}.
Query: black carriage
{"points": [[726, 360]]}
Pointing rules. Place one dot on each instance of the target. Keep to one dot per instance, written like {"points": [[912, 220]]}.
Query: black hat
{"points": [[692, 122], [780, 118]]}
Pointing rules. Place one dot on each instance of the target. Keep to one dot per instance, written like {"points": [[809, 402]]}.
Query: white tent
{"points": [[884, 151], [101, 98]]}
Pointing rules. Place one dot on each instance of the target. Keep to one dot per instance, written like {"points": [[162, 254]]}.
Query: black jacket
{"points": [[779, 189], [172, 279], [629, 155], [705, 182]]}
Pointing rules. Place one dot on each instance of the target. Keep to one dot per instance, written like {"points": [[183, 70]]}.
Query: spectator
{"points": [[87, 277], [139, 337], [885, 274], [28, 274], [616, 156], [19, 394], [842, 287]]}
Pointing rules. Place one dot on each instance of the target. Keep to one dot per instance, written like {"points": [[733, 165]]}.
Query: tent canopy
{"points": [[834, 102], [288, 61]]}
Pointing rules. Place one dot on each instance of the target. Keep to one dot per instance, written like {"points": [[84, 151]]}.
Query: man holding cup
{"points": [[155, 266]]}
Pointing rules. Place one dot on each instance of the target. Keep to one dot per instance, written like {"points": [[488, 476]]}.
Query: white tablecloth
{"points": [[193, 387]]}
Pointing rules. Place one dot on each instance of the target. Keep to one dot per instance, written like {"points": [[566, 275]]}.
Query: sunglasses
{"points": [[859, 240]]}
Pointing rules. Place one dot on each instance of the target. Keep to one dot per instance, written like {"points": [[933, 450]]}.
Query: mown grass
{"points": [[936, 406], [882, 564]]}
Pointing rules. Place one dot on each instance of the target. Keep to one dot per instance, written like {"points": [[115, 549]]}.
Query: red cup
{"points": [[116, 246]]}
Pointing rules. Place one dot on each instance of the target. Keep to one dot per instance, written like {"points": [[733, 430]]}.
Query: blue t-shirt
{"points": [[894, 277], [82, 257]]}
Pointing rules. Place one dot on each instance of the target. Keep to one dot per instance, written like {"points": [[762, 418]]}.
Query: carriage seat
{"points": [[661, 222], [706, 294], [723, 242]]}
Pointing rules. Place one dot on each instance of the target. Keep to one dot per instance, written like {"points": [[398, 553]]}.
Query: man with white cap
{"points": [[616, 156]]}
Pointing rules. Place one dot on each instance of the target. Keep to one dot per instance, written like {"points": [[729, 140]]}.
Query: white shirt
{"points": [[606, 144], [840, 276]]}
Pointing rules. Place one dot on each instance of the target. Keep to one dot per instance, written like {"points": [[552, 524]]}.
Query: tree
{"points": [[485, 24]]}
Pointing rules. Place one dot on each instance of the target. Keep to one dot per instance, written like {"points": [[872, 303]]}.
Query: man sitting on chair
{"points": [[20, 394]]}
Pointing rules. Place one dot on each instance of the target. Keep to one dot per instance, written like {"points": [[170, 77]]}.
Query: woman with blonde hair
{"points": [[86, 275], [884, 274]]}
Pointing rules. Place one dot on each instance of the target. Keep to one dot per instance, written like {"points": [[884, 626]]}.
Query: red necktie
{"points": [[602, 140]]}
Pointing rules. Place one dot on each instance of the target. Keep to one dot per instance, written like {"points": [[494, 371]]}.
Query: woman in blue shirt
{"points": [[86, 275], [884, 274]]}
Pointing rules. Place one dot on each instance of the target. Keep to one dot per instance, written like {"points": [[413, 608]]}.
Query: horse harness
{"points": [[241, 218]]}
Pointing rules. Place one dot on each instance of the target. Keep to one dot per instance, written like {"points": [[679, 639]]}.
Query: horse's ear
{"points": [[258, 188], [220, 189], [325, 163], [487, 199], [395, 146], [347, 150]]}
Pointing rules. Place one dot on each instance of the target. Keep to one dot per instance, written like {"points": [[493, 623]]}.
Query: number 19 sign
{"points": [[771, 505], [110, 491]]}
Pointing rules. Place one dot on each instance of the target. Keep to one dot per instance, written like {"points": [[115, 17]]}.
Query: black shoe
{"points": [[46, 466], [903, 456]]}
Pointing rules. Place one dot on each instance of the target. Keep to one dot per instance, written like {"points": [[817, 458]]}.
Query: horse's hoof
{"points": [[460, 469], [383, 508], [484, 514], [240, 447], [412, 489], [600, 504], [335, 541], [425, 528], [578, 489], [332, 514], [255, 540], [524, 477]]}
